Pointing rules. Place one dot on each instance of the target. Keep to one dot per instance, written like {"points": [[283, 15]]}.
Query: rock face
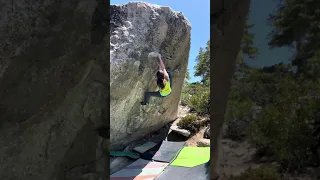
{"points": [[137, 29], [53, 89]]}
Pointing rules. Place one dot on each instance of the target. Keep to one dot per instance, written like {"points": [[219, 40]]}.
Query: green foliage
{"points": [[200, 99], [288, 130], [200, 92], [237, 118], [191, 88], [185, 94], [188, 75], [296, 24], [261, 173], [288, 139], [312, 67], [190, 122], [196, 95], [247, 46], [203, 62], [184, 98], [289, 120], [288, 126]]}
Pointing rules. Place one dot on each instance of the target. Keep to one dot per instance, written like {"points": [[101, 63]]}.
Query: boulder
{"points": [[136, 30], [54, 84]]}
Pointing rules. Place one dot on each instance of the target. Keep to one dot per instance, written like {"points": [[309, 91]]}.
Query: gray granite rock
{"points": [[138, 29]]}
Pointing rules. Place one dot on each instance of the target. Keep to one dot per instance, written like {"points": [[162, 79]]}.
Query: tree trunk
{"points": [[226, 38]]}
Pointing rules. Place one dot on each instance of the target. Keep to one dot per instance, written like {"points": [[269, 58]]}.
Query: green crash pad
{"points": [[127, 154], [192, 156]]}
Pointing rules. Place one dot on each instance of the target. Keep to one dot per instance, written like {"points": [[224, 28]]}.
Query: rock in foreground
{"points": [[53, 89], [183, 132]]}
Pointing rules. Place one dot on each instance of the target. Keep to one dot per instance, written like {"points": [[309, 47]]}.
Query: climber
{"points": [[163, 81]]}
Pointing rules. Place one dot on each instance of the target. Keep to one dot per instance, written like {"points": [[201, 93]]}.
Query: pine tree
{"points": [[296, 24], [247, 49]]}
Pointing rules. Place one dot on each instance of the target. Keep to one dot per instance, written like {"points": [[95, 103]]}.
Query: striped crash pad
{"points": [[164, 151], [201, 172], [144, 147], [124, 154], [140, 170]]}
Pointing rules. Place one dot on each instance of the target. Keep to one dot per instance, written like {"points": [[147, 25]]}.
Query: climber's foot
{"points": [[143, 103]]}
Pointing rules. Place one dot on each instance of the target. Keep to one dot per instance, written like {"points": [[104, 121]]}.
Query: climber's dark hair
{"points": [[160, 77], [160, 83]]}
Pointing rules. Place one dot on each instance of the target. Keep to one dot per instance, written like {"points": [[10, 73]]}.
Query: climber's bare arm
{"points": [[161, 65], [166, 75], [163, 68]]}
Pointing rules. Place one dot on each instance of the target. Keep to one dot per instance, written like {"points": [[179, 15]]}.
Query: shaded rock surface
{"points": [[53, 89], [137, 29]]}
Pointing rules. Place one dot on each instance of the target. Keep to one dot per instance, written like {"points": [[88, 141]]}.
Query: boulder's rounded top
{"points": [[166, 9], [153, 54]]}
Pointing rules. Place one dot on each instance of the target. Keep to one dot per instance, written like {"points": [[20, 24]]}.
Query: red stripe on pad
{"points": [[149, 165], [144, 177]]}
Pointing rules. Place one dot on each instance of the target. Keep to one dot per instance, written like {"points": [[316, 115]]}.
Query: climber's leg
{"points": [[147, 96], [170, 77]]}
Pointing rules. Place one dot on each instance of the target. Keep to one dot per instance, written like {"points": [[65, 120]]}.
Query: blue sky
{"points": [[259, 12], [198, 13]]}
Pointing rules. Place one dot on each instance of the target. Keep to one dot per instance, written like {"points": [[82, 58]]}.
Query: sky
{"points": [[259, 12], [198, 14]]}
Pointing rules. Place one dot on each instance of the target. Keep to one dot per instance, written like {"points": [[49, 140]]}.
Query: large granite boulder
{"points": [[54, 87], [136, 30]]}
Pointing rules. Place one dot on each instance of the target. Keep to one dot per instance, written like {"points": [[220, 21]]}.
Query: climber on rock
{"points": [[163, 81]]}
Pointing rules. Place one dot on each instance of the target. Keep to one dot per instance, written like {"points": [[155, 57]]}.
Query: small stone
{"points": [[183, 132], [203, 143], [207, 133]]}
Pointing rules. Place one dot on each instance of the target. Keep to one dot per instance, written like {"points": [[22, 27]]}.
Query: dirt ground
{"points": [[193, 141]]}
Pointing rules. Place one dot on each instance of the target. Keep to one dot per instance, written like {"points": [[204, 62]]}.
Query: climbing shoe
{"points": [[143, 103]]}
